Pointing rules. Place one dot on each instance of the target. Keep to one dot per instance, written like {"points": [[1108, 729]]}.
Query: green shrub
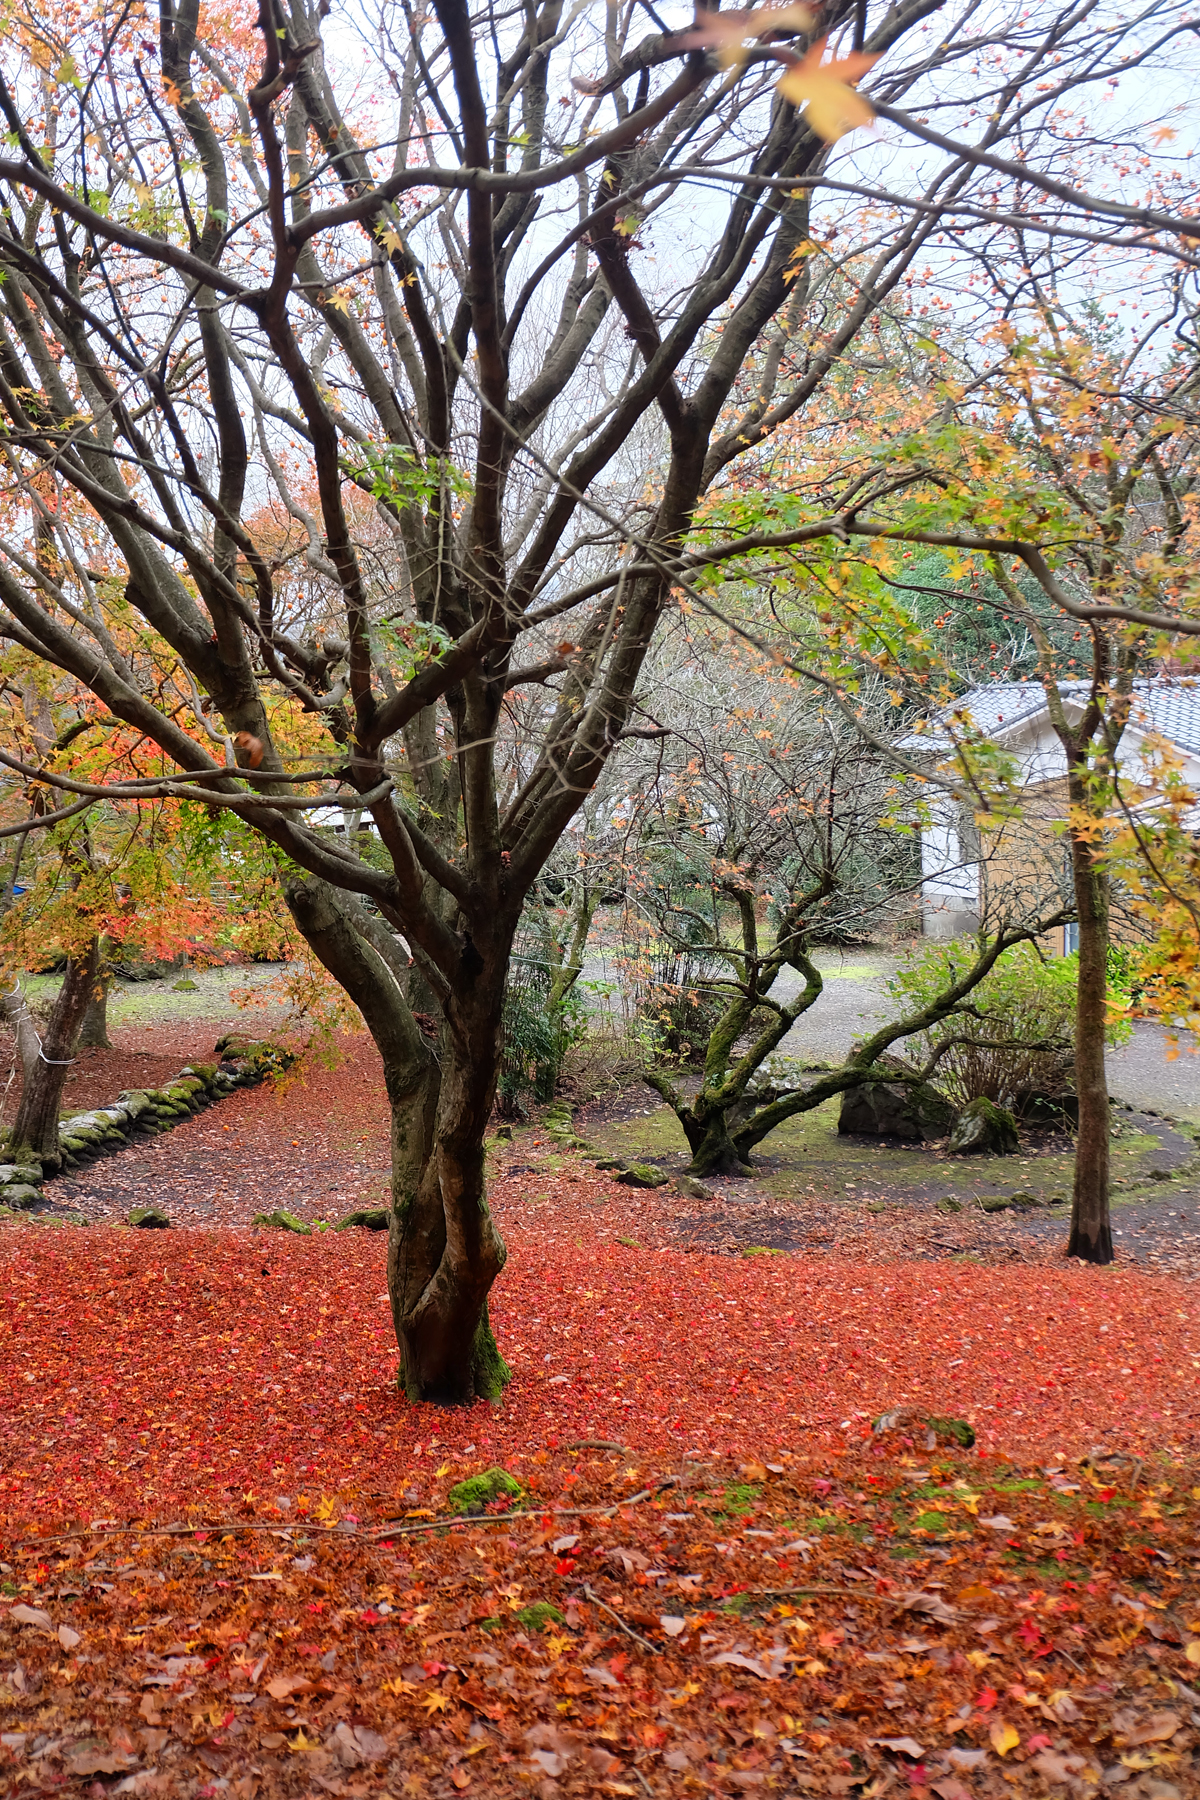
{"points": [[1020, 1033], [538, 1031]]}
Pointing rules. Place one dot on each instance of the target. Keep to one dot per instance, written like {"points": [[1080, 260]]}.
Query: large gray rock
{"points": [[20, 1194], [984, 1129], [914, 1111]]}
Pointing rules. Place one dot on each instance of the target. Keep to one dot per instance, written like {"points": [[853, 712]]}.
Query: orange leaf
{"points": [[833, 108]]}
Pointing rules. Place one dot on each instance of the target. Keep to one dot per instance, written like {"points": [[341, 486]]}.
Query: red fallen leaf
{"points": [[987, 1699]]}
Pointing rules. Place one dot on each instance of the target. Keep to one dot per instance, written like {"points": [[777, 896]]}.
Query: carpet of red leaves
{"points": [[857, 1626], [972, 1628], [155, 1370]]}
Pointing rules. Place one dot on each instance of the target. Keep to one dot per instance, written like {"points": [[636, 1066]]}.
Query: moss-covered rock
{"points": [[22, 1195], [984, 1129], [150, 1218], [927, 1429], [477, 1492], [914, 1111], [537, 1616], [952, 1431], [642, 1175], [948, 1206], [370, 1218], [283, 1221]]}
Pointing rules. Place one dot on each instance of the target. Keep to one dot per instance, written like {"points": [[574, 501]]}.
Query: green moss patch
{"points": [[477, 1492]]}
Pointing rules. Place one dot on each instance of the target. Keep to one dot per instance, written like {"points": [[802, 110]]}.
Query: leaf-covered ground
{"points": [[851, 1624], [151, 1369], [1035, 1639]]}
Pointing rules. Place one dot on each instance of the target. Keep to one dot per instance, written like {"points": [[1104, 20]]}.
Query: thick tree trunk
{"points": [[93, 1033], [444, 1252], [1091, 1231], [35, 1129], [714, 1151]]}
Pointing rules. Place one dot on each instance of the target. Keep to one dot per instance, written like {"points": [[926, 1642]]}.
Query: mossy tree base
{"points": [[479, 1373]]}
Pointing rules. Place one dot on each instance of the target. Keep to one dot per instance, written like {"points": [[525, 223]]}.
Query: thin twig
{"points": [[594, 1598], [787, 1593], [396, 1528]]}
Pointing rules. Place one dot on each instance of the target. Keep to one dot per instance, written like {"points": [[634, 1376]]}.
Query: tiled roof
{"points": [[1169, 708]]}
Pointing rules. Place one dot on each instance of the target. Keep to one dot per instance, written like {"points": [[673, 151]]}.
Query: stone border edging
{"points": [[143, 1112]]}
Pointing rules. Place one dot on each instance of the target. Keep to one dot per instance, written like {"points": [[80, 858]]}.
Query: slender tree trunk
{"points": [[35, 1129], [1091, 1231]]}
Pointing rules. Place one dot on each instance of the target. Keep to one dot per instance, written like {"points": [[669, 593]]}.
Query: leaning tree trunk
{"points": [[444, 1251], [1091, 1230], [35, 1129]]}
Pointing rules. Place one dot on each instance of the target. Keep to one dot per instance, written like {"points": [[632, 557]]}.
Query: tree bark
{"points": [[444, 1251], [93, 1033], [1091, 1229], [35, 1129]]}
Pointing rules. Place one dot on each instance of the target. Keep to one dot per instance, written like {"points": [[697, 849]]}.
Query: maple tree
{"points": [[244, 272]]}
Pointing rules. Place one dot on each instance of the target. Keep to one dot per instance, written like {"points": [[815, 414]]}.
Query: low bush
{"points": [[1016, 1039]]}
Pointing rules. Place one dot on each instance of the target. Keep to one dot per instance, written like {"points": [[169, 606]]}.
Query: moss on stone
{"points": [[477, 1492], [371, 1218], [955, 1431], [283, 1221], [537, 1616], [642, 1175], [150, 1218]]}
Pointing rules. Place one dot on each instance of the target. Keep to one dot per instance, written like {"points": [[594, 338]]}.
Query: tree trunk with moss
{"points": [[444, 1251]]}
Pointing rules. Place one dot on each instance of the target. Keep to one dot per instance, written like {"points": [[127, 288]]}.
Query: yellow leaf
{"points": [[326, 1511], [1193, 1651], [833, 108], [67, 71], [395, 1684], [390, 238], [341, 301], [978, 1659], [1004, 1737], [556, 1645], [444, 1470], [299, 1744], [970, 1503], [436, 1703]]}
